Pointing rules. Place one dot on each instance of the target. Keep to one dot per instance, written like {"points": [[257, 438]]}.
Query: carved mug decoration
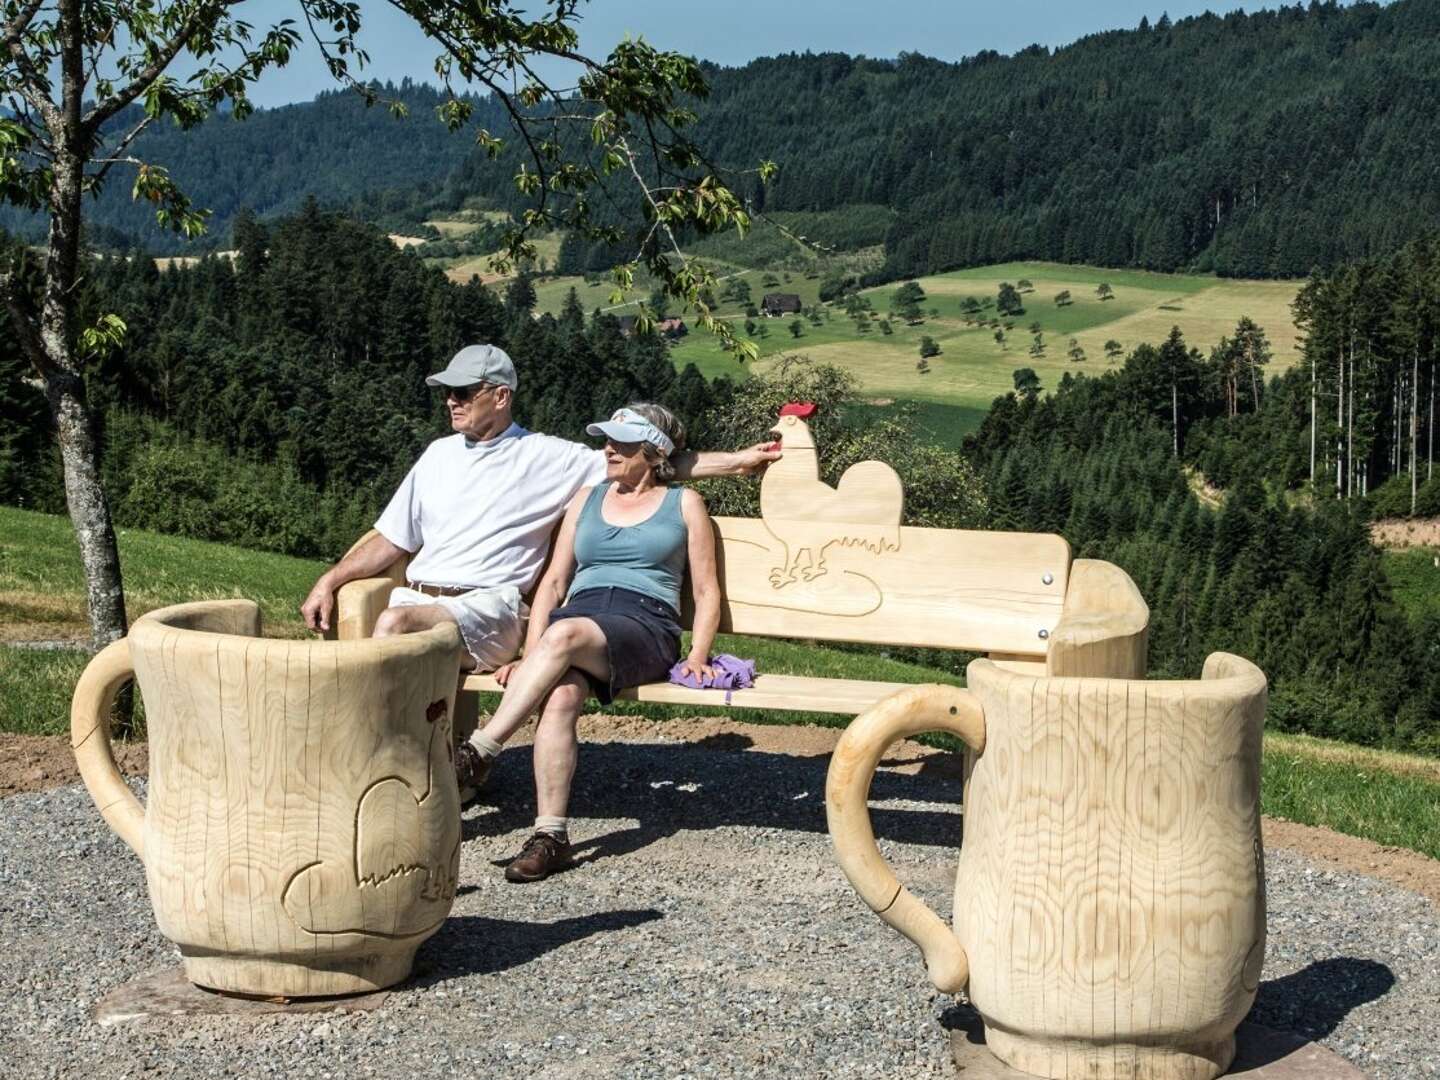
{"points": [[301, 833], [1109, 914]]}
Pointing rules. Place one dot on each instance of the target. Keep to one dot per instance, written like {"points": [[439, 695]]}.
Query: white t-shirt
{"points": [[480, 514]]}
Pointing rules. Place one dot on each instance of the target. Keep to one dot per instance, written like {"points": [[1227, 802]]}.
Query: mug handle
{"points": [[107, 672], [847, 787]]}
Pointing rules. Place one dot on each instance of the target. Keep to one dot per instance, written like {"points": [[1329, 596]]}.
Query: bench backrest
{"points": [[851, 581], [834, 562]]}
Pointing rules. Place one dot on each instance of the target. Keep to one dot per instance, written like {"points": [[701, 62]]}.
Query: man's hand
{"points": [[754, 460], [504, 672], [319, 606]]}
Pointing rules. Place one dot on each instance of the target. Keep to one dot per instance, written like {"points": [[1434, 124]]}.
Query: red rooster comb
{"points": [[802, 409]]}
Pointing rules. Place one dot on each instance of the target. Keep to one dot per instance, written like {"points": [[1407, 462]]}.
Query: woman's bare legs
{"points": [[569, 643], [557, 747], [553, 674]]}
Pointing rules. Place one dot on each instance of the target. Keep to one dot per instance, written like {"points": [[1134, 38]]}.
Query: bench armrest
{"points": [[359, 603], [1104, 628]]}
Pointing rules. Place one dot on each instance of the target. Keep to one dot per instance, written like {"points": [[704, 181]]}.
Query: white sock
{"points": [[555, 826], [488, 748]]}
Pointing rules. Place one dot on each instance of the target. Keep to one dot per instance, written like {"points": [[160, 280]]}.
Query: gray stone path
{"points": [[706, 932]]}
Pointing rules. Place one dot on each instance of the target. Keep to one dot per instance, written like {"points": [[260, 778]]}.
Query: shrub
{"points": [[1392, 498], [941, 487]]}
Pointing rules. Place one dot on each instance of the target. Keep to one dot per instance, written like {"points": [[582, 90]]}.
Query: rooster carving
{"points": [[809, 518], [405, 852]]}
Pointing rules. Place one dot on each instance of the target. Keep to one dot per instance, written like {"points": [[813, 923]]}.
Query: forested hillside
{"points": [[1358, 416], [333, 149], [276, 400], [1299, 590], [1254, 145]]}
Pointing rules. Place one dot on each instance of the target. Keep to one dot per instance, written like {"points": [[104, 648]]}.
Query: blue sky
{"points": [[740, 30]]}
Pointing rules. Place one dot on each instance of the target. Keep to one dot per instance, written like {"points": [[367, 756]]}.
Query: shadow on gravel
{"points": [[476, 945], [687, 786], [1314, 1000], [1309, 1003]]}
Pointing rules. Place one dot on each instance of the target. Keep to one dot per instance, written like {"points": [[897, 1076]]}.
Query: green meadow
{"points": [[973, 367]]}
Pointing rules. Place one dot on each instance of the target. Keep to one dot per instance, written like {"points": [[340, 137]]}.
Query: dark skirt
{"points": [[642, 636]]}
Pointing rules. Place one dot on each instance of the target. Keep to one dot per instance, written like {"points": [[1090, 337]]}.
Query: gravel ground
{"points": [[705, 932]]}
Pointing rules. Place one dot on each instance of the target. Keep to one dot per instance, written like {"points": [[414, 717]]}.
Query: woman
{"points": [[606, 615]]}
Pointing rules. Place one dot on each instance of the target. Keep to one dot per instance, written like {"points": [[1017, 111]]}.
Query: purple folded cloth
{"points": [[731, 673]]}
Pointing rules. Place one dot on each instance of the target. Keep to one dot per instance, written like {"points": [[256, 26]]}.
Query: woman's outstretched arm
{"points": [[704, 583]]}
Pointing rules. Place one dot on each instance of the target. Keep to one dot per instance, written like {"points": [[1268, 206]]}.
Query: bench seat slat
{"points": [[797, 692]]}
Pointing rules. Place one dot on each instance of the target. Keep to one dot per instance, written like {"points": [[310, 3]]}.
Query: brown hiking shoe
{"points": [[471, 771], [542, 855]]}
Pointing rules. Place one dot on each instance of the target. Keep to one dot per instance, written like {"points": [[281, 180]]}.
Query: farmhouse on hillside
{"points": [[780, 303]]}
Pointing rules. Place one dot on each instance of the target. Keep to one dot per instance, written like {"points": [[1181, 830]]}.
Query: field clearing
{"points": [[186, 262], [460, 271], [700, 347], [1208, 315], [457, 227], [973, 369], [550, 293]]}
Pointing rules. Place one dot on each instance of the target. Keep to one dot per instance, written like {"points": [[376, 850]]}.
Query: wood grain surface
{"points": [[1109, 901], [301, 835]]}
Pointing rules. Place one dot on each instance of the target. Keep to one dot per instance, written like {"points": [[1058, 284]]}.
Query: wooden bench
{"points": [[835, 564]]}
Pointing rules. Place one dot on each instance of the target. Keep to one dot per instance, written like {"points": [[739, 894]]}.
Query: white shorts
{"points": [[492, 621]]}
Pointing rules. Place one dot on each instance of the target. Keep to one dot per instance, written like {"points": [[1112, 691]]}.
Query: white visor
{"points": [[628, 426]]}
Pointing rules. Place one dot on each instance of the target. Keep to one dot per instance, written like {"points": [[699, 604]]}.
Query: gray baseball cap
{"points": [[476, 364]]}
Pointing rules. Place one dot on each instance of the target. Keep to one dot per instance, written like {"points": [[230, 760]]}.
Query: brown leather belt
{"points": [[438, 590]]}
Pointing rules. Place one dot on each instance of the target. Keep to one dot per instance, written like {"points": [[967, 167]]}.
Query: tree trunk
{"points": [[1340, 429], [1350, 425], [89, 510], [1414, 427], [1175, 417], [65, 388], [1394, 433], [1314, 374]]}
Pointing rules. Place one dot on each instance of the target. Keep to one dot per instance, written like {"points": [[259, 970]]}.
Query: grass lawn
{"points": [[1393, 799], [1386, 797], [42, 597]]}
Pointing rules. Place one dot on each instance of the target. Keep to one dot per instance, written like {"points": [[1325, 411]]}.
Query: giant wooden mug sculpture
{"points": [[301, 833], [1109, 914]]}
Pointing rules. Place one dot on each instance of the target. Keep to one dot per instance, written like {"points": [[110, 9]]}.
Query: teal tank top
{"points": [[647, 558]]}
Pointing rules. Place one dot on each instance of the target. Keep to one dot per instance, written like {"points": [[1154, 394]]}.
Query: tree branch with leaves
{"points": [[74, 71]]}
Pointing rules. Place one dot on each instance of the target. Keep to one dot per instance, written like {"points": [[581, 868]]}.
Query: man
{"points": [[479, 507]]}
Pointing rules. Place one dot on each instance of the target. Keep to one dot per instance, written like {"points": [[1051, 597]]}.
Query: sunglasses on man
{"points": [[462, 394]]}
